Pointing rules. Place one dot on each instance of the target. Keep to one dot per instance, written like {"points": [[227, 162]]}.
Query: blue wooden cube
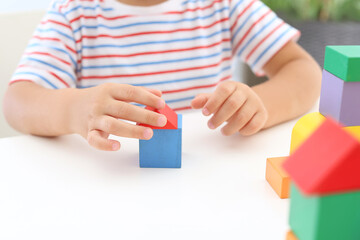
{"points": [[163, 150]]}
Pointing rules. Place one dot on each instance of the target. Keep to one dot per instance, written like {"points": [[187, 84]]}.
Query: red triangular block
{"points": [[169, 114], [327, 163]]}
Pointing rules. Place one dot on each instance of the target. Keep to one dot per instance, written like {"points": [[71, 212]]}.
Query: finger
{"points": [[120, 128], [222, 92], [135, 94], [127, 111], [254, 125], [239, 119], [98, 139], [200, 100], [153, 91], [227, 110]]}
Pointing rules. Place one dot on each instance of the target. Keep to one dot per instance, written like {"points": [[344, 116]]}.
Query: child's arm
{"points": [[292, 89], [93, 113]]}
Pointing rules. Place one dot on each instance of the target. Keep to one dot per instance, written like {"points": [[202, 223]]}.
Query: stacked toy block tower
{"points": [[340, 89], [325, 189], [163, 150], [340, 100]]}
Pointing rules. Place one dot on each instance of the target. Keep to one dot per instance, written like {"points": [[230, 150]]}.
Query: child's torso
{"points": [[179, 47]]}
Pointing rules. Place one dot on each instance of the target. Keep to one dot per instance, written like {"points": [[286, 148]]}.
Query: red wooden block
{"points": [[327, 163], [169, 114]]}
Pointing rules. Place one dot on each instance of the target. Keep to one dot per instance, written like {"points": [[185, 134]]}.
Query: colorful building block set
{"points": [[325, 157]]}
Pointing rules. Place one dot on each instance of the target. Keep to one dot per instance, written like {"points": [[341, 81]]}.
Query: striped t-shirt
{"points": [[181, 47]]}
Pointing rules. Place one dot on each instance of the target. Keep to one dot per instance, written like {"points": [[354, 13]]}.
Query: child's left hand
{"points": [[234, 103]]}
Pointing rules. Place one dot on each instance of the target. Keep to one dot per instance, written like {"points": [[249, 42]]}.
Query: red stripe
{"points": [[47, 38], [56, 40], [70, 49], [50, 55], [196, 87], [249, 30], [242, 13], [263, 40], [68, 3], [194, 9], [157, 52], [157, 73], [20, 80], [126, 16], [56, 22], [152, 32], [182, 108], [60, 79], [99, 16], [53, 74]]}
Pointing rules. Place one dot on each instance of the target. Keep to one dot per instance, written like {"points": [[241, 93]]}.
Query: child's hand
{"points": [[102, 108], [235, 103]]}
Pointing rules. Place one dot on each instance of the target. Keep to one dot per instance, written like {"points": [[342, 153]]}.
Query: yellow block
{"points": [[354, 131], [277, 177], [291, 236], [304, 128]]}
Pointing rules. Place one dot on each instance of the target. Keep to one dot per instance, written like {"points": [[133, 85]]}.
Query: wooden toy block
{"points": [[291, 236], [329, 217], [170, 115], [304, 128], [327, 162], [343, 62], [354, 131], [277, 177], [163, 150], [340, 100]]}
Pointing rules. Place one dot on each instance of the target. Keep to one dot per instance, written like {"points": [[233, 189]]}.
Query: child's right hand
{"points": [[100, 111]]}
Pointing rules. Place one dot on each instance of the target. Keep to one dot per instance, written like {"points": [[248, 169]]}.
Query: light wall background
{"points": [[9, 6]]}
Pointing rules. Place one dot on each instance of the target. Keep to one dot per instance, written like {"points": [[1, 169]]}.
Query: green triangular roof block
{"points": [[343, 62]]}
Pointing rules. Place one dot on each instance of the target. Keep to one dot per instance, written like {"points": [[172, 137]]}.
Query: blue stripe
{"points": [[184, 79], [159, 62], [177, 80], [58, 14], [193, 1], [88, 8], [153, 22], [245, 21], [57, 3], [57, 31], [179, 99], [255, 35], [55, 13], [56, 49], [39, 76], [50, 65], [156, 42], [270, 46], [235, 8], [170, 101]]}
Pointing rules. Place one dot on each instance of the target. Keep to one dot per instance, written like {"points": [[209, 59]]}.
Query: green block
{"points": [[330, 217], [343, 62]]}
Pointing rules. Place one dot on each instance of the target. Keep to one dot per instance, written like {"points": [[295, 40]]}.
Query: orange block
{"points": [[291, 236], [278, 179]]}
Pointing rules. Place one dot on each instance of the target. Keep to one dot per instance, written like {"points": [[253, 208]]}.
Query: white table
{"points": [[60, 188]]}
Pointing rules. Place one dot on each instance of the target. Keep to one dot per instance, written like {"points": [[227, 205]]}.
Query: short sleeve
{"points": [[50, 58], [257, 33]]}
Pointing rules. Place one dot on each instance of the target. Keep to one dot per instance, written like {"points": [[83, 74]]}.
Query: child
{"points": [[90, 59]]}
